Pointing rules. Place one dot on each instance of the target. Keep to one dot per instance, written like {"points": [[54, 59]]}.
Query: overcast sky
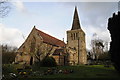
{"points": [[55, 18]]}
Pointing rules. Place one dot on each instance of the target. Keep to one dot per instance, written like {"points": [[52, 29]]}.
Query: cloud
{"points": [[101, 34], [68, 0], [10, 36], [19, 5], [93, 18]]}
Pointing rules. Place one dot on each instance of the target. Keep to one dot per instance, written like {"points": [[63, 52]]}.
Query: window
{"points": [[71, 36], [74, 36]]}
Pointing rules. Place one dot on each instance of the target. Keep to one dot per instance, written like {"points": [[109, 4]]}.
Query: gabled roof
{"points": [[50, 39]]}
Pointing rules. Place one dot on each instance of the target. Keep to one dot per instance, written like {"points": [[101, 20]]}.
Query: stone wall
{"points": [[33, 44], [75, 37]]}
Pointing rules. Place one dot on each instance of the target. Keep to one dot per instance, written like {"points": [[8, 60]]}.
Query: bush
{"points": [[36, 64], [48, 62], [8, 68], [8, 54]]}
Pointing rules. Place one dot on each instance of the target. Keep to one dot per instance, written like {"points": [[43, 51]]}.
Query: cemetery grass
{"points": [[83, 71], [80, 71]]}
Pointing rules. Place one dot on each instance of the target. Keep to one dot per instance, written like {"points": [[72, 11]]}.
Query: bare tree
{"points": [[41, 50], [41, 53], [97, 47], [4, 8]]}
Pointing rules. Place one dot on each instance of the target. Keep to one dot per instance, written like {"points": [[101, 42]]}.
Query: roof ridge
{"points": [[49, 35], [50, 39]]}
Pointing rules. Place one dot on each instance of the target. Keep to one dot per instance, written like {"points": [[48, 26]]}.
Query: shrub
{"points": [[8, 68], [48, 62], [8, 54]]}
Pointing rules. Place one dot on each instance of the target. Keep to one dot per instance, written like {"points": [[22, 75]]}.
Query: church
{"points": [[39, 45]]}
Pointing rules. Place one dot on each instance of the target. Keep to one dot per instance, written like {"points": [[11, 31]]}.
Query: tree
{"points": [[104, 57], [8, 54], [114, 28], [97, 46], [40, 51], [4, 8]]}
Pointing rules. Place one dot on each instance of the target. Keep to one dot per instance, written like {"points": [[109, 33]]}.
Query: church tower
{"points": [[76, 41]]}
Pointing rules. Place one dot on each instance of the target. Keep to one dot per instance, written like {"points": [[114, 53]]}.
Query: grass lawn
{"points": [[82, 71]]}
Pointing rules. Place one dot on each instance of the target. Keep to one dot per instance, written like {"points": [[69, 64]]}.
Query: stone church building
{"points": [[38, 45]]}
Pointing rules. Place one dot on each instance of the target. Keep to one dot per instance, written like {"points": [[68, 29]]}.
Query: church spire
{"points": [[76, 23]]}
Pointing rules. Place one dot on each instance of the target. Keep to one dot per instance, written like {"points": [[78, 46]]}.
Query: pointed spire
{"points": [[76, 23]]}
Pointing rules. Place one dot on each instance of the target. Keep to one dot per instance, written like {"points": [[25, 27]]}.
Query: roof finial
{"points": [[63, 39], [34, 26]]}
